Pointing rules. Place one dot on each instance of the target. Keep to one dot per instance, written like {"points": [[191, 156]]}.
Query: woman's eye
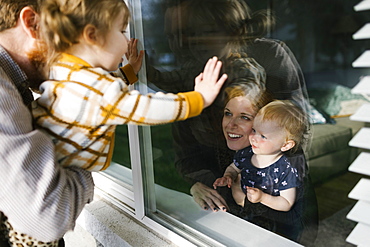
{"points": [[245, 118], [226, 113]]}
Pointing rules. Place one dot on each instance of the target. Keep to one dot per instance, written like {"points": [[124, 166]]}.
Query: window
{"points": [[148, 177]]}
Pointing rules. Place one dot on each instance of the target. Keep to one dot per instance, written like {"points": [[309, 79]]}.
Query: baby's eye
{"points": [[123, 31], [253, 130], [263, 137]]}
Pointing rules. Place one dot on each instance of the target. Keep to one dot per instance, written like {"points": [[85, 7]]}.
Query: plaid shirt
{"points": [[80, 106]]}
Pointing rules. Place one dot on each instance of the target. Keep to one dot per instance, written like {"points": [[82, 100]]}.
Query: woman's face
{"points": [[237, 122]]}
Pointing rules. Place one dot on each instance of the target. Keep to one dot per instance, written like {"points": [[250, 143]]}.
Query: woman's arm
{"points": [[198, 165]]}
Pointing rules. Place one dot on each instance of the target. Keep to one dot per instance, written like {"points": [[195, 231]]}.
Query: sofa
{"points": [[329, 153]]}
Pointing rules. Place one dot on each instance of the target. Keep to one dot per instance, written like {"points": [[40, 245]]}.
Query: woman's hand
{"points": [[208, 198], [134, 58]]}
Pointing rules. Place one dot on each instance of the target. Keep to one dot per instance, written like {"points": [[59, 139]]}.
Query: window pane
{"points": [[121, 153], [321, 38], [163, 159], [319, 50]]}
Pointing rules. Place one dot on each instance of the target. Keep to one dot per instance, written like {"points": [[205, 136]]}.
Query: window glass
{"points": [[121, 153], [322, 42], [310, 46]]}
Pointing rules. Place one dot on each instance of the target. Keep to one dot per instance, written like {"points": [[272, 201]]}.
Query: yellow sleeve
{"points": [[129, 73], [195, 103]]}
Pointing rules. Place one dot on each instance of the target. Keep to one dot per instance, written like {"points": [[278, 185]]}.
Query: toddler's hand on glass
{"points": [[134, 58], [209, 83]]}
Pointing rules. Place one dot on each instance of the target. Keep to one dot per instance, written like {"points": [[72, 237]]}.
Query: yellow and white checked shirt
{"points": [[80, 106]]}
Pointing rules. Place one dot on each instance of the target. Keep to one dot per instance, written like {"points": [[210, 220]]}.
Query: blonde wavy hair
{"points": [[63, 21]]}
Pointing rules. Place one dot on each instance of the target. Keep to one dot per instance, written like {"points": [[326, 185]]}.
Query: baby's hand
{"points": [[254, 195], [223, 182], [133, 57], [208, 83]]}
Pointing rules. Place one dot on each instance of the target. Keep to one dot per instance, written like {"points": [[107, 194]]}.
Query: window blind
{"points": [[361, 192]]}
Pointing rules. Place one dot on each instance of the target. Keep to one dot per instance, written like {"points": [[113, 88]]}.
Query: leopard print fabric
{"points": [[4, 231], [15, 239]]}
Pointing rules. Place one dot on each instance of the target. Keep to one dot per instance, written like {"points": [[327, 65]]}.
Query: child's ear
{"points": [[289, 144], [90, 34]]}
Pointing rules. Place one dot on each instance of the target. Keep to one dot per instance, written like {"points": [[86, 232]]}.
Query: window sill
{"points": [[114, 224], [102, 221]]}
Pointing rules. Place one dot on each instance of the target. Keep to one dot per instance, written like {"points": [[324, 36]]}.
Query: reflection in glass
{"points": [[197, 30], [180, 36]]}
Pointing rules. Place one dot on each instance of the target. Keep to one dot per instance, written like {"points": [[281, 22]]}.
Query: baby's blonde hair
{"points": [[63, 21], [288, 116]]}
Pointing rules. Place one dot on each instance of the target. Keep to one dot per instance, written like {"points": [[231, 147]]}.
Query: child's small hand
{"points": [[254, 195], [219, 182], [208, 83], [134, 58]]}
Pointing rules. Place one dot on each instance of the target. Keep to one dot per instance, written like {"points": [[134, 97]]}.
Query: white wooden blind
{"points": [[360, 213], [363, 87], [363, 33], [363, 5], [363, 60]]}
